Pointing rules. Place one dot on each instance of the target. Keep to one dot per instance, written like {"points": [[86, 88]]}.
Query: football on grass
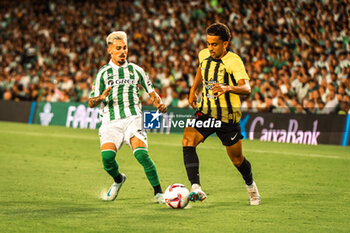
{"points": [[176, 196]]}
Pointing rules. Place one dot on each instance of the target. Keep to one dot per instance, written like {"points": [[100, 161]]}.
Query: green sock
{"points": [[143, 158], [109, 162]]}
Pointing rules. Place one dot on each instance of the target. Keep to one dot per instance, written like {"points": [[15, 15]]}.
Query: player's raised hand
{"points": [[106, 93], [192, 100], [220, 89]]}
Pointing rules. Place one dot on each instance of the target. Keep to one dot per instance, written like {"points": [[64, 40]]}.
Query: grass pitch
{"points": [[51, 179]]}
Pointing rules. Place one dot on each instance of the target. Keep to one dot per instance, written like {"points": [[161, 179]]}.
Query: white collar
{"points": [[116, 66]]}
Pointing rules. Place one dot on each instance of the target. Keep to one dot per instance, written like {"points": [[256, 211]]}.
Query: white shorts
{"points": [[120, 131]]}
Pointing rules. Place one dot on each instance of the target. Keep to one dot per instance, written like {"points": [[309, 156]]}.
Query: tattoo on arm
{"points": [[155, 98], [93, 102]]}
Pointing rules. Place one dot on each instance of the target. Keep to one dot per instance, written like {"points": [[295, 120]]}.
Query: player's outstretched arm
{"points": [[94, 101], [243, 88], [192, 99], [157, 102]]}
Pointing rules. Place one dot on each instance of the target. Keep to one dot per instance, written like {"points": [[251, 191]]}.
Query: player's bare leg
{"points": [[244, 167], [109, 152], [136, 142], [141, 154], [190, 141]]}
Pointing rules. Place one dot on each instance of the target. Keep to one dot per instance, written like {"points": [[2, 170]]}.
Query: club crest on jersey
{"points": [[117, 82], [209, 84]]}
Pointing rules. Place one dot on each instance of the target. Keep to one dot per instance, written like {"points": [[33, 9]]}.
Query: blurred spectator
{"points": [[175, 98], [247, 106], [257, 101], [321, 107], [183, 101], [294, 51], [281, 106], [344, 108], [267, 106], [331, 102]]}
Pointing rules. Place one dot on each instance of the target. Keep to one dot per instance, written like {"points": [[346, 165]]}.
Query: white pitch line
{"points": [[39, 134], [201, 146], [297, 154], [260, 151]]}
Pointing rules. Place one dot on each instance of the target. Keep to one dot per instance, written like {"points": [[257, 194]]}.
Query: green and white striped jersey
{"points": [[123, 100]]}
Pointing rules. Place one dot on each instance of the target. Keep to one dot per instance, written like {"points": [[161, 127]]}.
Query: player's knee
{"points": [[187, 141], [108, 158], [237, 160], [143, 158], [108, 146], [191, 138]]}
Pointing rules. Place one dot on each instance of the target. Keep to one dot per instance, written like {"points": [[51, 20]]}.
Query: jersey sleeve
{"points": [[203, 54], [144, 80], [234, 65], [98, 86]]}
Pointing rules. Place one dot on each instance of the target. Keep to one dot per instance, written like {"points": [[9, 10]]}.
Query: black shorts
{"points": [[229, 134]]}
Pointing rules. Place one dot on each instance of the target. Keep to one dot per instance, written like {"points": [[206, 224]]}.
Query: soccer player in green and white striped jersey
{"points": [[116, 92]]}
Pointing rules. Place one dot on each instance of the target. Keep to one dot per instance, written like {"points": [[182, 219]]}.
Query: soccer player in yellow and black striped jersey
{"points": [[223, 76]]}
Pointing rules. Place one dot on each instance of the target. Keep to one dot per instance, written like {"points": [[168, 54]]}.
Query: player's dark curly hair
{"points": [[221, 30]]}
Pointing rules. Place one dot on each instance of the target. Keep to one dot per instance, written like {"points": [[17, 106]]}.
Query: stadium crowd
{"points": [[297, 53]]}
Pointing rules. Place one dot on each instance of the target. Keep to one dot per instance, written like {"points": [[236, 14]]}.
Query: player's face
{"points": [[216, 46], [119, 51]]}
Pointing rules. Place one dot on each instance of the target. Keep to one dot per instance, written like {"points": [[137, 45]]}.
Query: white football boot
{"points": [[114, 189], [159, 198], [254, 197], [197, 193]]}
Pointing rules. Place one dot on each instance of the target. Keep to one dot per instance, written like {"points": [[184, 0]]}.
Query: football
{"points": [[176, 196]]}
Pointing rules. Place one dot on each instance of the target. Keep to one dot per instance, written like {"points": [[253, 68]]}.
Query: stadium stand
{"points": [[297, 53]]}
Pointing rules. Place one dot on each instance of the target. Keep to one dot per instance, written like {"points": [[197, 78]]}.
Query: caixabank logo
{"points": [[151, 120], [287, 130]]}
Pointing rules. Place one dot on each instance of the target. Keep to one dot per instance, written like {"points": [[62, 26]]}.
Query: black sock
{"points": [[191, 163], [118, 179], [246, 170], [157, 189]]}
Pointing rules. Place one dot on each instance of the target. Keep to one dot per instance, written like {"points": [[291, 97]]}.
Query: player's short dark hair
{"points": [[221, 30]]}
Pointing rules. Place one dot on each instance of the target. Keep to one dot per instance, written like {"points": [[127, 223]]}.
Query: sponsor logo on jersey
{"points": [[121, 82], [212, 96], [209, 84]]}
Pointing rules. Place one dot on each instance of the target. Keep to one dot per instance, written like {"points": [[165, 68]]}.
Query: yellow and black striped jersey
{"points": [[228, 71]]}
